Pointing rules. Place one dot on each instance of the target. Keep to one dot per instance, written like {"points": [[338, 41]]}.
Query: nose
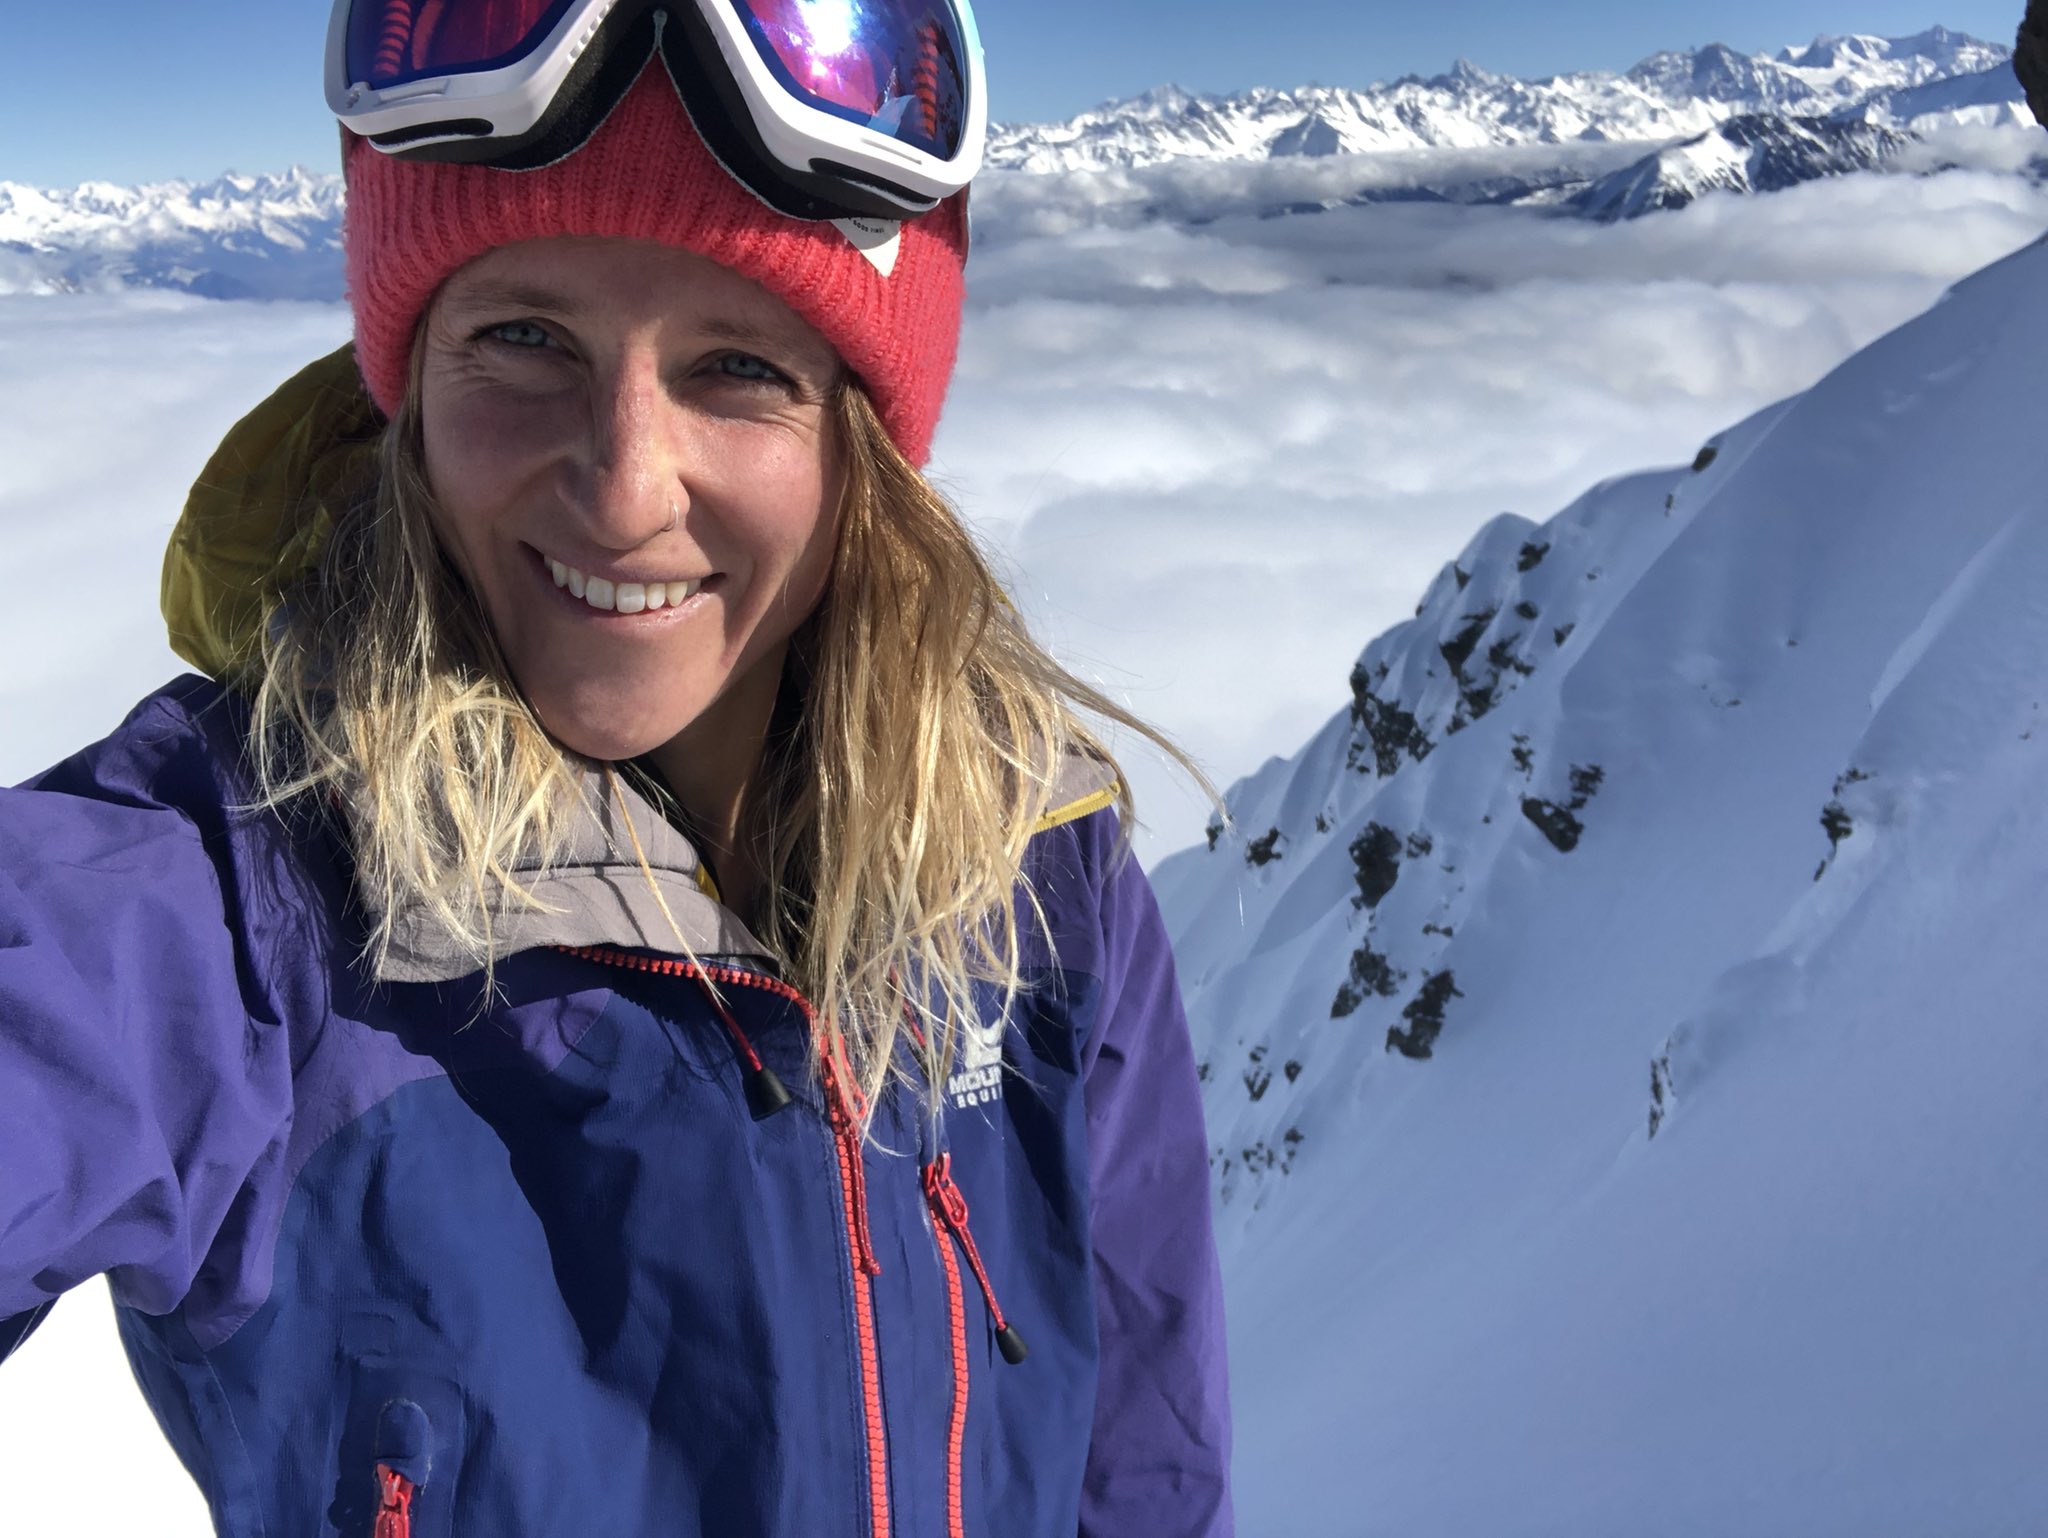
{"points": [[629, 483]]}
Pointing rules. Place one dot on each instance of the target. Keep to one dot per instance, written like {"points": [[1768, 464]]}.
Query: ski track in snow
{"points": [[1216, 461]]}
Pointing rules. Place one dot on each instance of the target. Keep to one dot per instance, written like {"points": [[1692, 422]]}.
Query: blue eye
{"points": [[518, 333], [747, 367]]}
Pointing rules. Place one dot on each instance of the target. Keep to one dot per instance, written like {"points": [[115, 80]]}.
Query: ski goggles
{"points": [[824, 109]]}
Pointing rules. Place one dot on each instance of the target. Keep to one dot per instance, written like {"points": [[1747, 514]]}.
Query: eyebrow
{"points": [[512, 296]]}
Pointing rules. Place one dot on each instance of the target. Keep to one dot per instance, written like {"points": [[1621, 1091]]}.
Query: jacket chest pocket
{"points": [[401, 1448]]}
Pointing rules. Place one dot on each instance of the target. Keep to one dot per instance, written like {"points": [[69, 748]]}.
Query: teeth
{"points": [[622, 597]]}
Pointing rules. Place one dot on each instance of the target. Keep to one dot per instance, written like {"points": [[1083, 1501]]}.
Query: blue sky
{"points": [[133, 90]]}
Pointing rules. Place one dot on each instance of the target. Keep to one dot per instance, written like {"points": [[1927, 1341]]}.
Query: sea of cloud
{"points": [[1220, 459], [1215, 460]]}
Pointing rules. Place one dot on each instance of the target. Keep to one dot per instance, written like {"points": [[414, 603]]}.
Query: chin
{"points": [[607, 724]]}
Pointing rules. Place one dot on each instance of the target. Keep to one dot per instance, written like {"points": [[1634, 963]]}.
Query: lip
{"points": [[670, 614]]}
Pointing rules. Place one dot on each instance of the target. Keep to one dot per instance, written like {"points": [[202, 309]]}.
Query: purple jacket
{"points": [[564, 1272]]}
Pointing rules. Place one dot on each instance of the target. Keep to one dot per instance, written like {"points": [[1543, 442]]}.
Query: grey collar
{"points": [[596, 893], [599, 894]]}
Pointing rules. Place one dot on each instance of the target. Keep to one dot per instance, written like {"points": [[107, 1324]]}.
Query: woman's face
{"points": [[579, 395]]}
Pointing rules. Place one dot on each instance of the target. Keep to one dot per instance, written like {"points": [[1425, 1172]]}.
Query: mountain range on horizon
{"points": [[1592, 144]]}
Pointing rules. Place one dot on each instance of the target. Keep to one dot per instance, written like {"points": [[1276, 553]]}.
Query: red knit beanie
{"points": [[892, 310]]}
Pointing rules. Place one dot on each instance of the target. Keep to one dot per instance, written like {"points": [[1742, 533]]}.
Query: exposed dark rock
{"points": [[1560, 824], [1264, 849], [1555, 823], [1215, 831], [1526, 609], [1563, 633], [1391, 735], [1261, 1159], [1502, 659], [1705, 457], [1532, 556], [1292, 1069], [1425, 1016], [1420, 844], [1475, 700], [1257, 1077], [1457, 651], [1524, 757], [1463, 577], [1660, 1082], [1376, 859], [1372, 976]]}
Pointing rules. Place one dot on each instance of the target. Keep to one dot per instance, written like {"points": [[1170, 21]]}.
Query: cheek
{"points": [[478, 446], [809, 536]]}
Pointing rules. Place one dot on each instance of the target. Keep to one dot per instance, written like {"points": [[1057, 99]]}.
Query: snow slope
{"points": [[1622, 1022]]}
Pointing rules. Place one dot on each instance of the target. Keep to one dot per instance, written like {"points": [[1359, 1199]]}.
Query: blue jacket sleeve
{"points": [[137, 1092], [1159, 1459]]}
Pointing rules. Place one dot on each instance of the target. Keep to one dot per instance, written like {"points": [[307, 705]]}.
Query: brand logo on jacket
{"points": [[978, 1078]]}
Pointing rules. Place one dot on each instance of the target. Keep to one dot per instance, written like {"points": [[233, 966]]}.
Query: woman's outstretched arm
{"points": [[137, 1091]]}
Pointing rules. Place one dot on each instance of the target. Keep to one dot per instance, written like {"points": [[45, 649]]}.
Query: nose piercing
{"points": [[674, 517]]}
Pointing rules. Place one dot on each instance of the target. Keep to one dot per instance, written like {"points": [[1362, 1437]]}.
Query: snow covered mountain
{"points": [[269, 237], [1621, 1022], [1751, 153], [1601, 145], [1667, 96]]}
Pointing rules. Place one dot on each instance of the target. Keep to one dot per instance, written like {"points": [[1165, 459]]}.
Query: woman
{"points": [[621, 1006]]}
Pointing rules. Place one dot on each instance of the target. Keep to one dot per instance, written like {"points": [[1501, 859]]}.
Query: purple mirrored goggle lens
{"points": [[393, 41], [897, 66]]}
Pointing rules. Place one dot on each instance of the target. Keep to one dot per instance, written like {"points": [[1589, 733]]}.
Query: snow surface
{"points": [[1714, 1206]]}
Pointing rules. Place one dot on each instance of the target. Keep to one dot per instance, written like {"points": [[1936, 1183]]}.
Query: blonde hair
{"points": [[919, 746]]}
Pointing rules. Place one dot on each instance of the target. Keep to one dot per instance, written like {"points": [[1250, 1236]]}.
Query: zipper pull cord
{"points": [[766, 1093], [394, 1503], [949, 1206], [846, 1128]]}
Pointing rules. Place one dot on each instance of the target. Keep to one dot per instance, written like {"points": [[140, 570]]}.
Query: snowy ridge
{"points": [[1621, 1022], [1598, 145], [1674, 95], [1746, 154], [271, 237]]}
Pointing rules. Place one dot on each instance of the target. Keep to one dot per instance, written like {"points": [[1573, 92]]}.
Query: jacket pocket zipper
{"points": [[394, 1503]]}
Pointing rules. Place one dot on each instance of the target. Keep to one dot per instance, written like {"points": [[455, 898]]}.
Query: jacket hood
{"points": [[262, 509], [260, 514]]}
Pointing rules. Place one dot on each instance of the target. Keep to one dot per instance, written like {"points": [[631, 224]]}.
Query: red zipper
{"points": [[394, 1503], [956, 1320], [846, 1148]]}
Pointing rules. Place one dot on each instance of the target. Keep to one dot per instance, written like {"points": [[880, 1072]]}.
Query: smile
{"points": [[623, 597]]}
